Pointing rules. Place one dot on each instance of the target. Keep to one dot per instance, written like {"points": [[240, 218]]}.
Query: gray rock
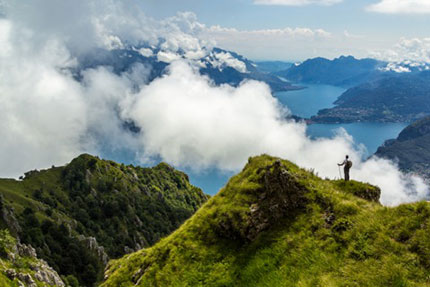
{"points": [[91, 244], [11, 274], [281, 196], [12, 223], [45, 273], [26, 279], [26, 250]]}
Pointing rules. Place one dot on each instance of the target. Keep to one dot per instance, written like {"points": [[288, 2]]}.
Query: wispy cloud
{"points": [[401, 7], [289, 43], [297, 2]]}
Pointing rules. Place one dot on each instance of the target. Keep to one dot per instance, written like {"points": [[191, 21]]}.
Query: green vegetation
{"points": [[275, 224], [79, 215], [343, 71], [399, 98], [411, 149], [16, 269]]}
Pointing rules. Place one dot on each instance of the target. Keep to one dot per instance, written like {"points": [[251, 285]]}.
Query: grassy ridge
{"points": [[314, 232], [124, 208]]}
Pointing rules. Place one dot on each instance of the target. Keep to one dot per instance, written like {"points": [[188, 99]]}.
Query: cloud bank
{"points": [[47, 116], [297, 2], [190, 122], [408, 53], [401, 7]]}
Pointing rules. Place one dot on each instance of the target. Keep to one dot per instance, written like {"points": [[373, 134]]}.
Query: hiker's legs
{"points": [[346, 171]]}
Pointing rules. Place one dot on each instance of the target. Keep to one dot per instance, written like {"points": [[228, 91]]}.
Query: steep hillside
{"points": [[342, 71], [275, 224], [411, 149], [402, 98], [19, 266], [80, 215]]}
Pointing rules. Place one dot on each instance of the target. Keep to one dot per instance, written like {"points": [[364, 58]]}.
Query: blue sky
{"points": [[380, 29]]}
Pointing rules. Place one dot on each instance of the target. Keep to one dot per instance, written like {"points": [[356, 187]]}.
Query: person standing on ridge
{"points": [[347, 164]]}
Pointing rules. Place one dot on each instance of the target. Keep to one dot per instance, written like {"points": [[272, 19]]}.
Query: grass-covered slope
{"points": [[275, 224], [80, 215]]}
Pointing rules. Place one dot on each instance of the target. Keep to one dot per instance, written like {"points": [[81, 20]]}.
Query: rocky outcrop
{"points": [[91, 244], [26, 269], [8, 216], [281, 196], [365, 191], [370, 193], [45, 273], [26, 250]]}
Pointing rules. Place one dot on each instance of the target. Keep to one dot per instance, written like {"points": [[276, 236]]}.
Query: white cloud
{"points": [[297, 2], [224, 59], [42, 111], [285, 43], [412, 52], [46, 116], [146, 52], [401, 7], [191, 123]]}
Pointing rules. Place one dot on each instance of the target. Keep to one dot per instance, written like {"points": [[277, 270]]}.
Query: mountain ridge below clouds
{"points": [[223, 67]]}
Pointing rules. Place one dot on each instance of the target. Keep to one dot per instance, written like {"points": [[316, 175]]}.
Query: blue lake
{"points": [[307, 102]]}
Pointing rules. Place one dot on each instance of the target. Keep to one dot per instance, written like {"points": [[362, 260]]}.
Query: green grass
{"points": [[336, 239]]}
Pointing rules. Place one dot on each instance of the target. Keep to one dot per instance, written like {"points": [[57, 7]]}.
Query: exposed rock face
{"points": [[9, 218], [26, 250], [26, 279], [281, 196], [45, 273], [91, 244], [41, 272]]}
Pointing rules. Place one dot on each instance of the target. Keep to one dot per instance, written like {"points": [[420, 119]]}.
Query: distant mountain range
{"points": [[378, 91], [343, 71], [403, 97], [411, 149], [223, 67], [272, 66]]}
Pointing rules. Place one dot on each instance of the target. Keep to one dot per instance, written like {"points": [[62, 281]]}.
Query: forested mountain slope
{"points": [[80, 215]]}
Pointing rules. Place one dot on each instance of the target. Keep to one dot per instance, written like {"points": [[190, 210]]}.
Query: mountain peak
{"points": [[240, 235]]}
